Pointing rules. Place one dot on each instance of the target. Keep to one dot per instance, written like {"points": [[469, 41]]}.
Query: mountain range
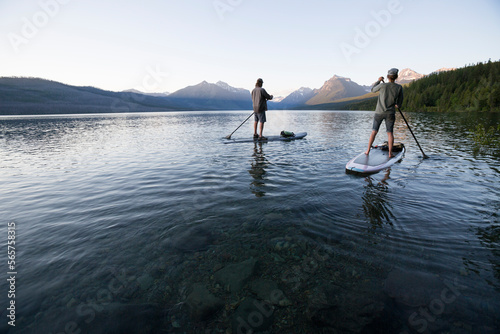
{"points": [[135, 91], [24, 96], [340, 89], [208, 96]]}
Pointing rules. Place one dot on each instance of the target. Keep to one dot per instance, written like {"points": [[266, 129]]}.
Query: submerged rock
{"points": [[94, 317], [341, 309], [202, 303], [412, 288], [269, 292], [145, 281], [193, 239], [235, 276], [120, 318], [252, 316]]}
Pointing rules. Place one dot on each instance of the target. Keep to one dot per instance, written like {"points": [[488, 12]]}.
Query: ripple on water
{"points": [[157, 203]]}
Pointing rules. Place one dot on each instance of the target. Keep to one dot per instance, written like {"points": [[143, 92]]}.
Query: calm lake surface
{"points": [[149, 223]]}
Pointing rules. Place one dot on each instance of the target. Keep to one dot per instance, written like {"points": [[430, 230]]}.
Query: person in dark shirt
{"points": [[390, 98], [259, 99]]}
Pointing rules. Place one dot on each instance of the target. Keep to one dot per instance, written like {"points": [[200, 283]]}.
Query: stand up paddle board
{"points": [[377, 160], [299, 135]]}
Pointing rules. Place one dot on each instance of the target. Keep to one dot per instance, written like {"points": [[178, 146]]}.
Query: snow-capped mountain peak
{"points": [[227, 87], [408, 75]]}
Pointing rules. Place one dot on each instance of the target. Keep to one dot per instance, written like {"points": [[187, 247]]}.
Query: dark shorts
{"points": [[389, 121], [260, 116]]}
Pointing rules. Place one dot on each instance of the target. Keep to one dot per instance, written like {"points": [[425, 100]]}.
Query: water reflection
{"points": [[376, 202], [258, 170]]}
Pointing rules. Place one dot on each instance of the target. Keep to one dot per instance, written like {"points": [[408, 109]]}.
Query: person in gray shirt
{"points": [[259, 99], [389, 99]]}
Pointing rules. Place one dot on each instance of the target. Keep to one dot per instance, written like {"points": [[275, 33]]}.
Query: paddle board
{"points": [[377, 160], [299, 135]]}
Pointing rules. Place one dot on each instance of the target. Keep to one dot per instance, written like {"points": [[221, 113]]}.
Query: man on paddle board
{"points": [[389, 99], [259, 99]]}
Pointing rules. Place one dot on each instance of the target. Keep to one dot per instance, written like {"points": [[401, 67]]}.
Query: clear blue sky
{"points": [[165, 45]]}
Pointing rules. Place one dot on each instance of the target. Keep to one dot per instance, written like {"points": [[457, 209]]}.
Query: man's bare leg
{"points": [[390, 140], [370, 142], [255, 129], [261, 129]]}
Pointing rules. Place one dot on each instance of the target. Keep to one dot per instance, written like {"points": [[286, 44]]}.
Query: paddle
{"points": [[408, 125], [229, 137]]}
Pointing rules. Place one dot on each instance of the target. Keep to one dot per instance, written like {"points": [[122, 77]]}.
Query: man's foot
{"points": [[255, 136]]}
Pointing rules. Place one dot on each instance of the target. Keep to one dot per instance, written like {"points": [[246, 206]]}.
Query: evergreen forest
{"points": [[471, 88]]}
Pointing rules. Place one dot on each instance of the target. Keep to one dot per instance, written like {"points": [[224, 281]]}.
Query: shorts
{"points": [[260, 116], [389, 121]]}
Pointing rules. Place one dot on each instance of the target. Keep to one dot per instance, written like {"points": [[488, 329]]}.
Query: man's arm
{"points": [[266, 95], [376, 86]]}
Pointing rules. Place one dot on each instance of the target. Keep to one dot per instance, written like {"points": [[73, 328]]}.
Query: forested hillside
{"points": [[32, 96], [472, 88]]}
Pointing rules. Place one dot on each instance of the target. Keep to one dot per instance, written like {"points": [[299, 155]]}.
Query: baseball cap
{"points": [[393, 71]]}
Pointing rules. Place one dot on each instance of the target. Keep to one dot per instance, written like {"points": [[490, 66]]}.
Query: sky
{"points": [[166, 45]]}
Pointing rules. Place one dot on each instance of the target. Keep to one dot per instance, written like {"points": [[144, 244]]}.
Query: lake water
{"points": [[149, 223]]}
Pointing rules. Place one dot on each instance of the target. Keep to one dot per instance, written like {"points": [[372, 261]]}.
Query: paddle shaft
{"points": [[229, 137], [408, 125]]}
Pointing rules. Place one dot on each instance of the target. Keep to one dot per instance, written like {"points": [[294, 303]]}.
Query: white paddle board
{"points": [[299, 135], [377, 160]]}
